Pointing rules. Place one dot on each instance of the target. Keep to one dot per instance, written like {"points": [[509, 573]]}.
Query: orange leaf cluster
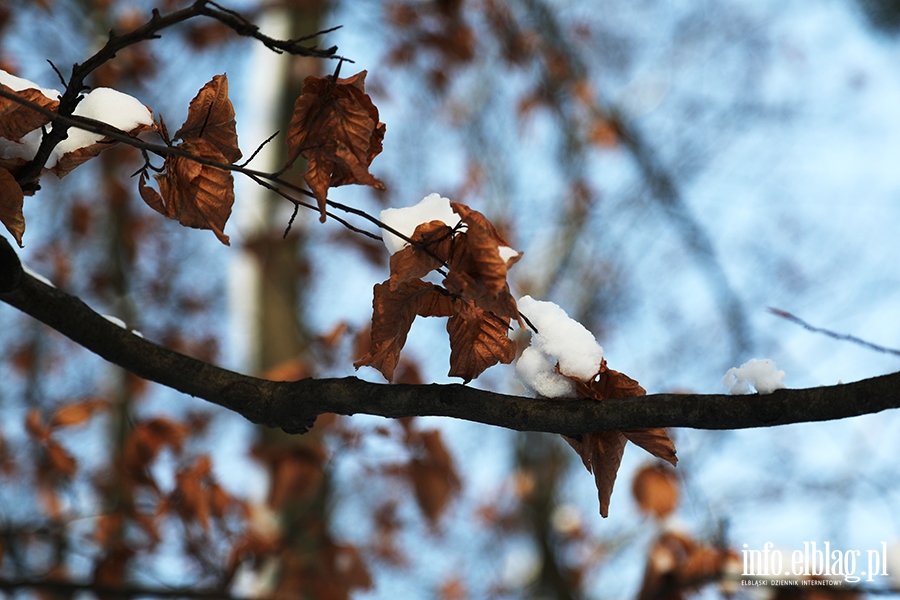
{"points": [[198, 498], [601, 452], [296, 471], [56, 465], [335, 128], [475, 296], [677, 566], [195, 194]]}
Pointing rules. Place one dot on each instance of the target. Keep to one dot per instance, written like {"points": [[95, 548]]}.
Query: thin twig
{"points": [[259, 149], [290, 224], [838, 336], [259, 178]]}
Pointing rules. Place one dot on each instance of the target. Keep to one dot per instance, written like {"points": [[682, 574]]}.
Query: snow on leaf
{"points": [[16, 120], [561, 338], [211, 117], [405, 220], [335, 128], [106, 105], [196, 195], [11, 200], [478, 339], [394, 311]]}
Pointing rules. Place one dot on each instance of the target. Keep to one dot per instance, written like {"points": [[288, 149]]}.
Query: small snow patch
{"points": [[115, 321], [761, 375], [37, 275]]}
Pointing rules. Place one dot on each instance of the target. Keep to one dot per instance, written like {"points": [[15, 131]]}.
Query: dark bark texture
{"points": [[294, 406]]}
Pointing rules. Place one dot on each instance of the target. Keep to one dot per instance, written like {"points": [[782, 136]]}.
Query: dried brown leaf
{"points": [[601, 452], [656, 441], [393, 314], [655, 489], [477, 270], [11, 202], [608, 384], [432, 473], [478, 339], [194, 194], [211, 118], [295, 471], [145, 442], [335, 128], [414, 262], [191, 499], [16, 120], [108, 528], [601, 448], [60, 460], [35, 427]]}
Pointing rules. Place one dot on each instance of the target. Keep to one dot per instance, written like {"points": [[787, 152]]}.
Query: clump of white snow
{"points": [[761, 375], [405, 220], [537, 372], [17, 84], [562, 340], [106, 105]]}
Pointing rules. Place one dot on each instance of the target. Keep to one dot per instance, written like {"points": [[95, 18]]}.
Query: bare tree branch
{"points": [[844, 337], [68, 588], [294, 406]]}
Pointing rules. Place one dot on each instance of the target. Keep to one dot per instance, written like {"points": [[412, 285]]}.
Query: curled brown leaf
{"points": [[335, 128], [11, 202]]}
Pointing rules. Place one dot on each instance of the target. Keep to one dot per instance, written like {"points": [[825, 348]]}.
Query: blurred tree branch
{"points": [[294, 406], [68, 588]]}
